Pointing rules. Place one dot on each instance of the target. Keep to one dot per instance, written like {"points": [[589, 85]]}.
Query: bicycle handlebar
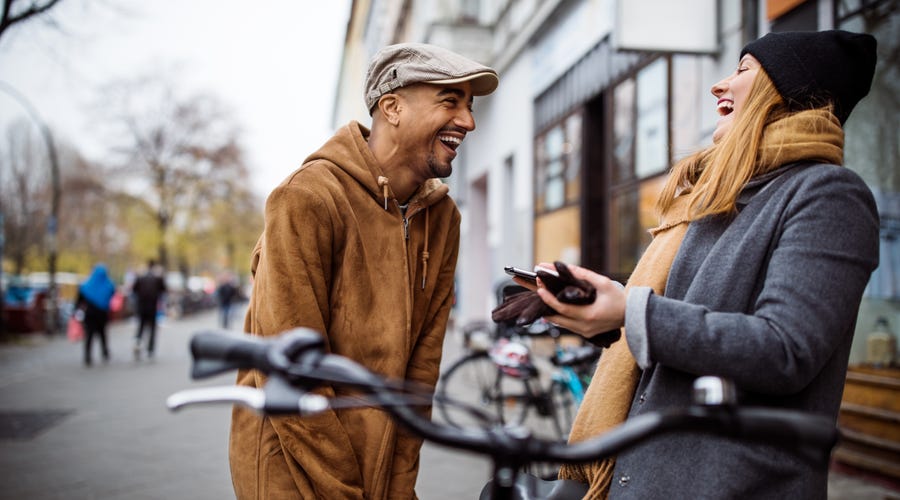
{"points": [[296, 364], [218, 351]]}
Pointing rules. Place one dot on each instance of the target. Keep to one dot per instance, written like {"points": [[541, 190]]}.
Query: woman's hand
{"points": [[606, 313], [524, 283]]}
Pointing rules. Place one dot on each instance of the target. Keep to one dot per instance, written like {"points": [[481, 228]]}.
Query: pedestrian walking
{"points": [[148, 290], [94, 297], [226, 295]]}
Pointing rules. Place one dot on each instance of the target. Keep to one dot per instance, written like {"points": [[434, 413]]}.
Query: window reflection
{"points": [[558, 157], [623, 131], [640, 155], [652, 134]]}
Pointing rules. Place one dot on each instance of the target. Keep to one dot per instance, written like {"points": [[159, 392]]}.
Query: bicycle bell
{"points": [[711, 391]]}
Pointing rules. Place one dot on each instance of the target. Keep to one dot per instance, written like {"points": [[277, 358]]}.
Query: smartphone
{"points": [[521, 273]]}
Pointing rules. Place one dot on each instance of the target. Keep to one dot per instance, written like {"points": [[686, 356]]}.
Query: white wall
{"points": [[503, 129]]}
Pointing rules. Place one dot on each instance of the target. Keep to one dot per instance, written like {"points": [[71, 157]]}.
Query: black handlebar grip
{"points": [[217, 351]]}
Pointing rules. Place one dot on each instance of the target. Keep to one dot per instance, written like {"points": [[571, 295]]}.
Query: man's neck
{"points": [[395, 166]]}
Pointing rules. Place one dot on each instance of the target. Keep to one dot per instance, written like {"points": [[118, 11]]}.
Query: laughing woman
{"points": [[756, 274]]}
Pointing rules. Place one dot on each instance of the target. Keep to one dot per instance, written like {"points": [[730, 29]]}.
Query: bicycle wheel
{"points": [[477, 336], [476, 381], [563, 408]]}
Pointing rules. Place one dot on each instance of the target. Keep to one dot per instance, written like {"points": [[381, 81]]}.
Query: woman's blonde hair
{"points": [[716, 175]]}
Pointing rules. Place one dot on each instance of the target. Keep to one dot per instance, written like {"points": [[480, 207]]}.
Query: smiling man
{"points": [[360, 243]]}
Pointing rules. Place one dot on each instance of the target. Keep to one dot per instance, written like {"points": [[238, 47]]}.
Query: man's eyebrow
{"points": [[458, 92], [452, 90]]}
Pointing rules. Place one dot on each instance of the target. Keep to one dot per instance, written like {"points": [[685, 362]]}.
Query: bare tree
{"points": [[16, 12], [173, 148], [226, 219], [96, 222], [24, 192]]}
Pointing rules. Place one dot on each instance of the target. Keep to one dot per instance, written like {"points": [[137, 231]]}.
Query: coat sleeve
{"points": [[424, 365], [291, 289], [823, 253]]}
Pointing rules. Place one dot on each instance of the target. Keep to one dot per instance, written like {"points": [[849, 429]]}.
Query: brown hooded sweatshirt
{"points": [[337, 257]]}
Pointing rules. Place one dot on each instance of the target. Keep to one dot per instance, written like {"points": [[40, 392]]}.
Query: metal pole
{"points": [[52, 320]]}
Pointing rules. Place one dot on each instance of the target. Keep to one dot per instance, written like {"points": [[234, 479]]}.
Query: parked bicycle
{"points": [[501, 374], [296, 363]]}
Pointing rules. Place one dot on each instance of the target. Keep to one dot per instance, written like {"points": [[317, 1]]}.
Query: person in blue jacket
{"points": [[94, 297]]}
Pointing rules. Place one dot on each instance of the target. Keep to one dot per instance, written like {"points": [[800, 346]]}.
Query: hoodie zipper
{"points": [[406, 215]]}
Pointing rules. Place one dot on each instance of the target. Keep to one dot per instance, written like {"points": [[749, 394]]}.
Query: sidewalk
{"points": [[104, 432]]}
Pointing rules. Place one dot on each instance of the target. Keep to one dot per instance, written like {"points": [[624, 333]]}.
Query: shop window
{"points": [[632, 213], [652, 124], [557, 157], [870, 142], [557, 234], [640, 156], [623, 132]]}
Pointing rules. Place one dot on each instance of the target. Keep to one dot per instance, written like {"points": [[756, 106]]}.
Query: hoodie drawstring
{"points": [[425, 251], [383, 182]]}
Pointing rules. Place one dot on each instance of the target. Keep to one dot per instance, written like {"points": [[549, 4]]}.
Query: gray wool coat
{"points": [[769, 299]]}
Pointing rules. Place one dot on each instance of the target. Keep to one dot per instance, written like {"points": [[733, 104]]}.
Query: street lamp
{"points": [[52, 323]]}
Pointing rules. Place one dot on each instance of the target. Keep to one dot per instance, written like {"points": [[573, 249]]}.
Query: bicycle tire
{"points": [[476, 380], [563, 407]]}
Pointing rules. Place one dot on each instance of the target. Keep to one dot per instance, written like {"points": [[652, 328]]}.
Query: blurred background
{"points": [[154, 130]]}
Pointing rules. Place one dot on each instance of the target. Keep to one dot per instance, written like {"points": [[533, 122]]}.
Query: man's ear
{"points": [[390, 105]]}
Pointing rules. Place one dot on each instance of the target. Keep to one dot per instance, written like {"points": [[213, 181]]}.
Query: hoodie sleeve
{"points": [[424, 364], [291, 289]]}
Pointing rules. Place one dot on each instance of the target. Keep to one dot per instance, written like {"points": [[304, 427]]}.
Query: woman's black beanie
{"points": [[813, 68]]}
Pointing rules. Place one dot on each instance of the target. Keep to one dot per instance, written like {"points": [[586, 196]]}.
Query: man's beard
{"points": [[439, 170]]}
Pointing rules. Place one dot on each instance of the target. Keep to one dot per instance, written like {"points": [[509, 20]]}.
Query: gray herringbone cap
{"points": [[404, 64]]}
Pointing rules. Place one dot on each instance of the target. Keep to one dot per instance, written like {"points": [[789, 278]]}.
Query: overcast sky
{"points": [[273, 62]]}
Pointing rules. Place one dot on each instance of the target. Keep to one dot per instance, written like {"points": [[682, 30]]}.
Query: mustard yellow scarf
{"points": [[808, 135]]}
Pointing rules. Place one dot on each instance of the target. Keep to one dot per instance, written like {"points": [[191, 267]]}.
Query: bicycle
{"points": [[501, 372], [502, 376], [296, 363]]}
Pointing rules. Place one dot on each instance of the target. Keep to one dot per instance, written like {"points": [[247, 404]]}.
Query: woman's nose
{"points": [[719, 88]]}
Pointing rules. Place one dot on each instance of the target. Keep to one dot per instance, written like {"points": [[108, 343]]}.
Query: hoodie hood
{"points": [[349, 150]]}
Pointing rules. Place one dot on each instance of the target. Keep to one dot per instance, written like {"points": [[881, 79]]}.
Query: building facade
{"points": [[572, 149]]}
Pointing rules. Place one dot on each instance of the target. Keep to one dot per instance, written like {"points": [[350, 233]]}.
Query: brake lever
{"points": [[277, 397], [244, 396]]}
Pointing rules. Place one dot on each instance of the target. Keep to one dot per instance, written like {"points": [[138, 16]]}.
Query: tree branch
{"points": [[35, 9]]}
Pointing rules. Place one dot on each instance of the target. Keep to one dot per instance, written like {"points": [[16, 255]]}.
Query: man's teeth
{"points": [[451, 139]]}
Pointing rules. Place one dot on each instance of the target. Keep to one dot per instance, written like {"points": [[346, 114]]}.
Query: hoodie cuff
{"points": [[636, 325]]}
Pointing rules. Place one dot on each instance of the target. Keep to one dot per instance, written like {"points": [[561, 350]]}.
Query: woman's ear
{"points": [[390, 106]]}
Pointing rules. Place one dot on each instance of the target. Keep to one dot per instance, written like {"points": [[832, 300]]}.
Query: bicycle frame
{"points": [[569, 377]]}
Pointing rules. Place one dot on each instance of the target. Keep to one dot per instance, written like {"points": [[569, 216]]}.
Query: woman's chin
{"points": [[719, 133], [722, 128]]}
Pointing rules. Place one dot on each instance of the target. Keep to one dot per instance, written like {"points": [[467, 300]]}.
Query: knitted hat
{"points": [[813, 68], [404, 64]]}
